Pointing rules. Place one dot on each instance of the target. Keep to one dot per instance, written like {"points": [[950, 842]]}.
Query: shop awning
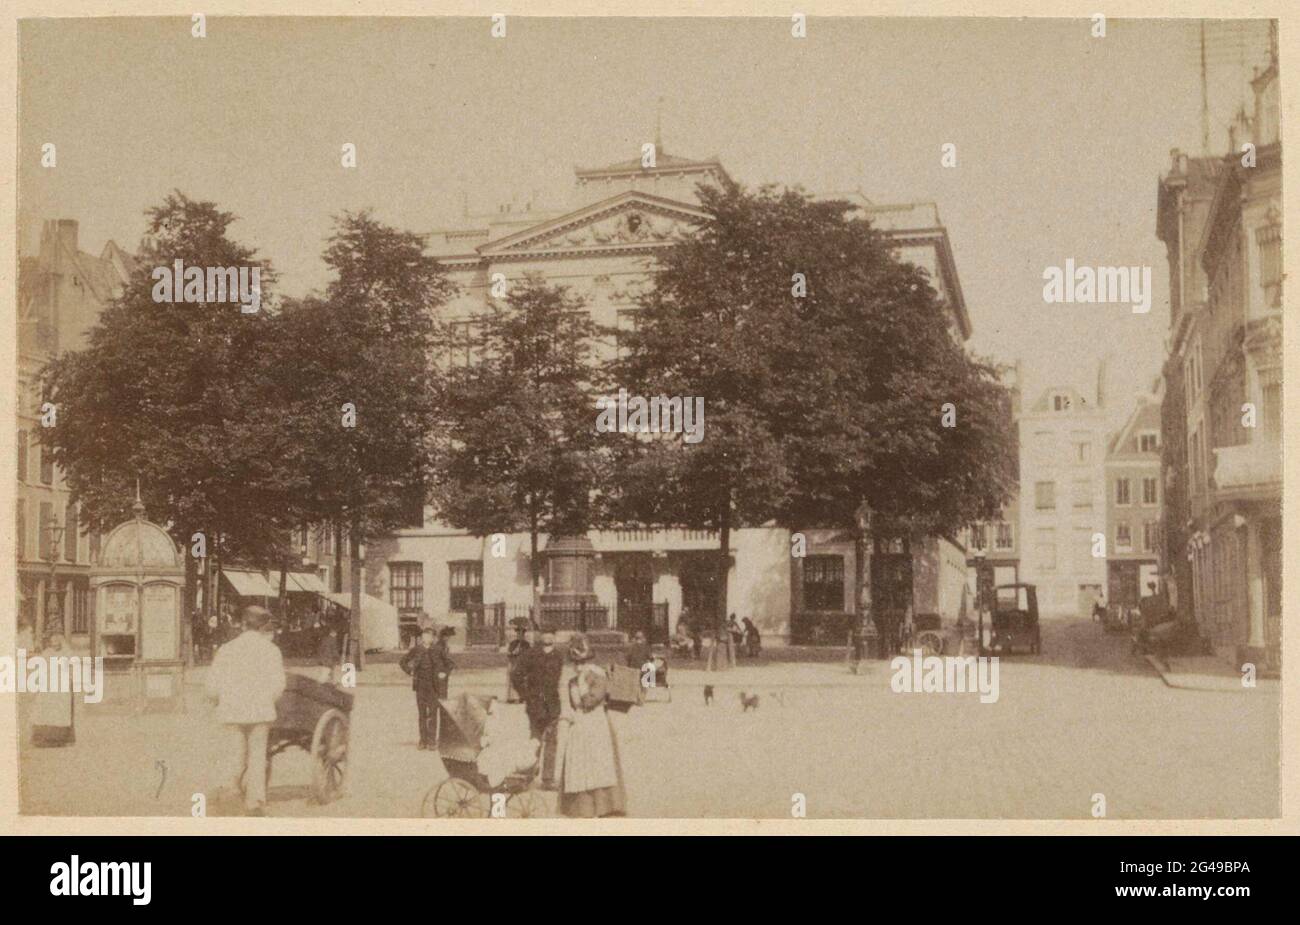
{"points": [[379, 620], [249, 584], [298, 583]]}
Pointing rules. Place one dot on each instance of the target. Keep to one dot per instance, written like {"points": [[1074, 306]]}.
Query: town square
{"points": [[753, 418]]}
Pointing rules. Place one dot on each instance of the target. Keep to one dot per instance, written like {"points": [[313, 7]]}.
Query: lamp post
{"points": [[53, 619]]}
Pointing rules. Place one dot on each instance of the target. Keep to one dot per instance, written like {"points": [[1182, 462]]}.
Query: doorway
{"points": [[634, 588]]}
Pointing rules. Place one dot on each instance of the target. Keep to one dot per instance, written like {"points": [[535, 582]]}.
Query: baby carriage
{"points": [[467, 793]]}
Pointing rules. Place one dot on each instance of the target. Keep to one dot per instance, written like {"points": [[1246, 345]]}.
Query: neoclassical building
{"points": [[605, 247]]}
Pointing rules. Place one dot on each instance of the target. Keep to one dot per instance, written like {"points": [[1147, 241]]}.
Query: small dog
{"points": [[708, 694], [748, 702]]}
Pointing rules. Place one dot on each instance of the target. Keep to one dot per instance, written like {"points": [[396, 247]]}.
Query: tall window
{"points": [[22, 455], [1045, 496], [1149, 442], [1123, 536], [1005, 538], [464, 342], [70, 534], [1271, 413], [47, 466], [979, 537], [823, 583], [406, 585], [1269, 240], [77, 599], [1150, 492], [1150, 535], [1123, 492], [21, 528], [43, 526], [1081, 493], [466, 584]]}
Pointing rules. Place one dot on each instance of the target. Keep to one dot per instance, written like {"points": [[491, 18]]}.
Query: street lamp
{"points": [[53, 621]]}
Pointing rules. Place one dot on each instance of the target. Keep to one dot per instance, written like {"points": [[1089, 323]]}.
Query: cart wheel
{"points": [[930, 643], [453, 799], [526, 804], [329, 753]]}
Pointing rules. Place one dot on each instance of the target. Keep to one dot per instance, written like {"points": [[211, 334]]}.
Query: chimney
{"points": [[68, 233]]}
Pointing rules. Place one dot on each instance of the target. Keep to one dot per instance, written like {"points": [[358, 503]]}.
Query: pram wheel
{"points": [[453, 799], [526, 804]]}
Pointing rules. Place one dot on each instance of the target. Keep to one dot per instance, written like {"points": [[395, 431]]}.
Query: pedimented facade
{"points": [[605, 248]]}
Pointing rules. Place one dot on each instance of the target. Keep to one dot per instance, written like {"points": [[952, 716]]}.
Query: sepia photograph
{"points": [[789, 417]]}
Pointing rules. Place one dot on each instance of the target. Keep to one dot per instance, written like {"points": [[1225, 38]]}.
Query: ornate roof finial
{"points": [[138, 507]]}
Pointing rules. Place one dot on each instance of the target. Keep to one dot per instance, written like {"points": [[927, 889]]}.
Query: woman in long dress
{"points": [[52, 713], [591, 778]]}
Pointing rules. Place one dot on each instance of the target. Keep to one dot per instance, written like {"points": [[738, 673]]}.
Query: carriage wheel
{"points": [[453, 799], [329, 753], [526, 804], [930, 643]]}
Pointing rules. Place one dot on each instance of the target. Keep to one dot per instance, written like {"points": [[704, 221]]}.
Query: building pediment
{"points": [[630, 221]]}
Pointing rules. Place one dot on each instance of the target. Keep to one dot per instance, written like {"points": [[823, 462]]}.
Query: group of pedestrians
{"points": [[713, 643], [579, 753]]}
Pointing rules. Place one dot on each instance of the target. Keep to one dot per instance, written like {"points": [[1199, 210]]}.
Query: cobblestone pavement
{"points": [[1085, 717]]}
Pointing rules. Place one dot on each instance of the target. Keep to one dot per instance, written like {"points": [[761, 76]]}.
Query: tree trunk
{"points": [[859, 571], [534, 564], [722, 635], [191, 605], [216, 577], [354, 625], [282, 597], [207, 585], [336, 579]]}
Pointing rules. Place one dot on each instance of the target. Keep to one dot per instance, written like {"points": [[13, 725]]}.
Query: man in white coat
{"points": [[246, 677]]}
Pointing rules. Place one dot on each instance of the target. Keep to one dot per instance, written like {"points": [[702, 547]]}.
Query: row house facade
{"points": [[1226, 358], [61, 292], [1062, 496], [1133, 506], [993, 547], [604, 246]]}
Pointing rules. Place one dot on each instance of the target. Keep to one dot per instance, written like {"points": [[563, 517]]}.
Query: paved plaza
{"points": [[1085, 717]]}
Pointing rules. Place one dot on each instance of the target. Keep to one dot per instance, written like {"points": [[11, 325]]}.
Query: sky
{"points": [[1060, 136]]}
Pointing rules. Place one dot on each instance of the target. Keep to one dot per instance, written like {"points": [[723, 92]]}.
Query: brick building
{"points": [[1133, 506], [1221, 222], [61, 291]]}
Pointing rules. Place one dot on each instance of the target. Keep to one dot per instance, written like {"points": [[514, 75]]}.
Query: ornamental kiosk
{"points": [[137, 584]]}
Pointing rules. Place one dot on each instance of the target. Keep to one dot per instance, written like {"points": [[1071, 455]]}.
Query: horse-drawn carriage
{"points": [[1012, 622], [314, 717]]}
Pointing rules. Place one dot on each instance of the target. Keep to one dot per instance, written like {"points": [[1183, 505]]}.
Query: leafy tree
{"points": [[168, 393], [357, 391], [519, 449], [825, 364]]}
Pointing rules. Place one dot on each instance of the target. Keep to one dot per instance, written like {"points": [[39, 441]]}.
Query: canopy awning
{"points": [[379, 620], [249, 584], [309, 582], [298, 583]]}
